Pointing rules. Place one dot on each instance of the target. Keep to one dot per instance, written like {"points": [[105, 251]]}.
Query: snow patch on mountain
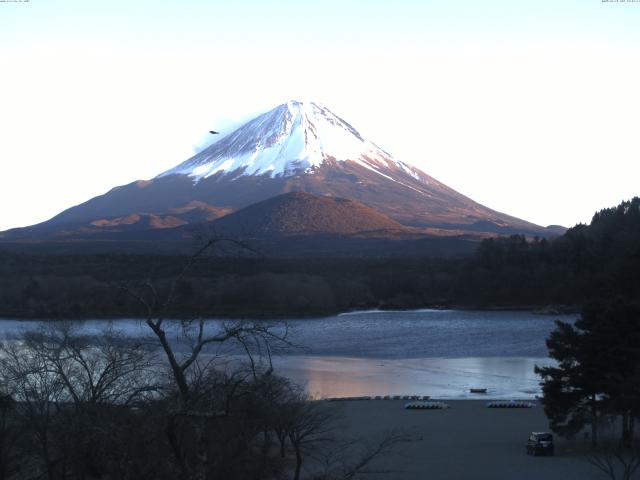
{"points": [[292, 138]]}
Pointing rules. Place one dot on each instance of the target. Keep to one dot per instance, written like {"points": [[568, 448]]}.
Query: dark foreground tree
{"points": [[598, 372], [571, 391]]}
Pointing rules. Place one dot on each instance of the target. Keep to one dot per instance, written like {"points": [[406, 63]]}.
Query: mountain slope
{"points": [[295, 147]]}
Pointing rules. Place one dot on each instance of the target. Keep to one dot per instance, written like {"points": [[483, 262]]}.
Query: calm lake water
{"points": [[441, 353]]}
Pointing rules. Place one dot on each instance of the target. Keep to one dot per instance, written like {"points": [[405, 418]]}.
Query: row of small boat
{"points": [[510, 404], [420, 402], [426, 406], [380, 397], [397, 397]]}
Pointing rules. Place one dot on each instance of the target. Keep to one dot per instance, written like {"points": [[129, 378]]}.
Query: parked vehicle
{"points": [[540, 443]]}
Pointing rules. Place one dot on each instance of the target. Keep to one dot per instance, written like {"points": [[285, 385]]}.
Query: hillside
{"points": [[300, 213]]}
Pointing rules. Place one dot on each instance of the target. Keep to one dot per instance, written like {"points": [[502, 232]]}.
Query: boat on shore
{"points": [[478, 390]]}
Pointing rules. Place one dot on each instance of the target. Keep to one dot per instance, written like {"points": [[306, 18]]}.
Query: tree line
{"points": [[599, 260], [596, 261]]}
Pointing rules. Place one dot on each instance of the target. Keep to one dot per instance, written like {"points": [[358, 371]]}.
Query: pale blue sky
{"points": [[331, 27], [530, 107]]}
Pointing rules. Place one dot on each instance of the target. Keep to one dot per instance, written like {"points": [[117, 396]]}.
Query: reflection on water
{"points": [[439, 377], [441, 353]]}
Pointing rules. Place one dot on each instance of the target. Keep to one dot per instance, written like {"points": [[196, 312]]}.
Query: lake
{"points": [[442, 353]]}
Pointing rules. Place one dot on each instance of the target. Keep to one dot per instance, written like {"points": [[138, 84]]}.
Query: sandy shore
{"points": [[467, 441]]}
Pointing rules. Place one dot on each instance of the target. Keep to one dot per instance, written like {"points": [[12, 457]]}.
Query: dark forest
{"points": [[588, 262]]}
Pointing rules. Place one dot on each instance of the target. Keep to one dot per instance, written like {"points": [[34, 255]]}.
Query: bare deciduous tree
{"points": [[613, 458], [9, 436], [350, 458], [40, 396], [97, 369], [69, 388], [253, 337]]}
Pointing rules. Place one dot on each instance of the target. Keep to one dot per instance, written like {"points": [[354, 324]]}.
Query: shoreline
{"points": [[535, 309], [427, 398]]}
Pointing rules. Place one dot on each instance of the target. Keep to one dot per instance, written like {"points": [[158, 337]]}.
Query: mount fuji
{"points": [[296, 147]]}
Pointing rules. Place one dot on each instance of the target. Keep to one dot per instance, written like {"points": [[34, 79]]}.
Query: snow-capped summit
{"points": [[292, 138]]}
